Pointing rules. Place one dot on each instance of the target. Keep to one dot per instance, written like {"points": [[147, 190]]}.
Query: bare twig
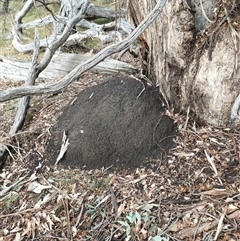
{"points": [[79, 216], [143, 89], [220, 223], [16, 31], [154, 132], [154, 135], [204, 13], [187, 119], [24, 101], [69, 230], [114, 200], [198, 225], [5, 190], [75, 73], [211, 162]]}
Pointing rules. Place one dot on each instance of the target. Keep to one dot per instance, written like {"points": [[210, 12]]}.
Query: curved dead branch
{"points": [[75, 73], [36, 67], [60, 21]]}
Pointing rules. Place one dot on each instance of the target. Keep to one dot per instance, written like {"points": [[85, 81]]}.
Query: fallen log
{"points": [[61, 65], [67, 11]]}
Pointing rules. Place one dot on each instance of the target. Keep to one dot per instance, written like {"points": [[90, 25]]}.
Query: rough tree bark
{"points": [[193, 55]]}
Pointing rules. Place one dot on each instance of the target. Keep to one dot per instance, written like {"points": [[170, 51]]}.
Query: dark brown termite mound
{"points": [[121, 122]]}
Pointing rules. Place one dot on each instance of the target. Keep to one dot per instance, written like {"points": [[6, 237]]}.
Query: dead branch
{"points": [[75, 73], [24, 101], [17, 30], [37, 68], [56, 69], [30, 81], [67, 11], [99, 12], [94, 31]]}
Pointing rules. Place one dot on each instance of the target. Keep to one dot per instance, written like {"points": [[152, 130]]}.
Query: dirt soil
{"points": [[119, 123]]}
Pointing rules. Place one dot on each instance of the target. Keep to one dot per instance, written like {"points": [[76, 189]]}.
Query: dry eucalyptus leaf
{"points": [[37, 187]]}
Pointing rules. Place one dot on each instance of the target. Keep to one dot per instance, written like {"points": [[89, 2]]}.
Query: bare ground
{"points": [[191, 194]]}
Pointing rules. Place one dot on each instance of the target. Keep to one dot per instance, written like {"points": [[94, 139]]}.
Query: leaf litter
{"points": [[191, 194]]}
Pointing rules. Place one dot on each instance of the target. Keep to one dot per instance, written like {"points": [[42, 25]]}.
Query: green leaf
{"points": [[128, 231], [133, 217], [91, 209], [153, 229], [103, 213], [137, 215], [145, 218], [180, 127], [90, 206], [130, 217], [159, 238], [125, 224], [50, 180]]}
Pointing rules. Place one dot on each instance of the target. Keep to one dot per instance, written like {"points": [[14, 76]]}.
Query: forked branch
{"points": [[75, 73]]}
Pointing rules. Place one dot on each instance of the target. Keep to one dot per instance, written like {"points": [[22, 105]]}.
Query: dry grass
{"points": [[37, 12], [7, 21]]}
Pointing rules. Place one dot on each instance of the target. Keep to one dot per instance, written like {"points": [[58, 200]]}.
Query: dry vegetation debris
{"points": [[192, 194]]}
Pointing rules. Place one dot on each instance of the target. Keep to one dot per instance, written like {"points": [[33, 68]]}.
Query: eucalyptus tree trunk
{"points": [[192, 53]]}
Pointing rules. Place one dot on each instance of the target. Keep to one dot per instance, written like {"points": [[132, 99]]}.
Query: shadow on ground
{"points": [[120, 122]]}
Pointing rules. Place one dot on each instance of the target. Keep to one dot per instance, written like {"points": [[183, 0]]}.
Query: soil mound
{"points": [[119, 123]]}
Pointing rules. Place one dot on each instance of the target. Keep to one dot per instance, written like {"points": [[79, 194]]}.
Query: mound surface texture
{"points": [[119, 123]]}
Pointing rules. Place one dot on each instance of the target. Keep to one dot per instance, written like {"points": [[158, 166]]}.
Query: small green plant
{"points": [[159, 238], [99, 183], [134, 218], [102, 20], [127, 227], [92, 43], [153, 229], [12, 200], [95, 211]]}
